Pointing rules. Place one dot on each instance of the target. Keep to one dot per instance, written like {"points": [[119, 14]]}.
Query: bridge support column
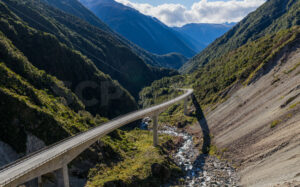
{"points": [[40, 182], [185, 106], [155, 127], [62, 177]]}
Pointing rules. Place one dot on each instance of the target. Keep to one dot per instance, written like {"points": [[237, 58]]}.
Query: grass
{"points": [[213, 151], [293, 68], [213, 81], [254, 26], [294, 105], [135, 147], [275, 123], [289, 100], [175, 115], [38, 112]]}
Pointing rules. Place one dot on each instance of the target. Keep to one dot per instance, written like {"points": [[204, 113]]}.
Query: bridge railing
{"points": [[151, 111]]}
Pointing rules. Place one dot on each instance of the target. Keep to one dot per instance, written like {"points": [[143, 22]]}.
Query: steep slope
{"points": [[171, 60], [76, 8], [247, 86], [269, 18], [145, 31], [35, 112], [258, 126], [73, 7], [107, 52], [251, 101], [37, 109], [200, 35], [35, 102], [101, 95]]}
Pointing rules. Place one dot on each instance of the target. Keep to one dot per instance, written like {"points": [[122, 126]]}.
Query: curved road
{"points": [[18, 170]]}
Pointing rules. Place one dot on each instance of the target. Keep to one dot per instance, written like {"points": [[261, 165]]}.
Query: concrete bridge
{"points": [[58, 156]]}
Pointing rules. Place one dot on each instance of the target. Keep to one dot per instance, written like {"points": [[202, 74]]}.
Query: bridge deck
{"points": [[26, 165]]}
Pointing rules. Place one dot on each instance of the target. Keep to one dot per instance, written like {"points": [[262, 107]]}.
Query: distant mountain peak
{"points": [[145, 31]]}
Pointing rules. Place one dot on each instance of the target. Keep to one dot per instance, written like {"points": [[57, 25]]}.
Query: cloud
{"points": [[200, 12]]}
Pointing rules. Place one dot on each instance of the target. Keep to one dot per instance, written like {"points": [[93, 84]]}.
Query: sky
{"points": [[181, 12]]}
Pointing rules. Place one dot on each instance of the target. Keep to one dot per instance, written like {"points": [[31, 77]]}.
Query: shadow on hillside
{"points": [[199, 162]]}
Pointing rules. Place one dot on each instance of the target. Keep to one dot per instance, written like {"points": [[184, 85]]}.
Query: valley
{"points": [[86, 85]]}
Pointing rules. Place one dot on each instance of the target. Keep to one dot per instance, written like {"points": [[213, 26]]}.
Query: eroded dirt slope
{"points": [[258, 127]]}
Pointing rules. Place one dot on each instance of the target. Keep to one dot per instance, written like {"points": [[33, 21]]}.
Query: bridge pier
{"points": [[62, 177], [185, 106], [155, 129], [40, 182], [56, 157]]}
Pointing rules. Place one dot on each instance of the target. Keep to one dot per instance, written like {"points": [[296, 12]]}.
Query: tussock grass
{"points": [[135, 147]]}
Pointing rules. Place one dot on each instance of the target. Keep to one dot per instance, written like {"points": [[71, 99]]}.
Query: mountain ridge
{"points": [[125, 20], [99, 46], [200, 35], [268, 18]]}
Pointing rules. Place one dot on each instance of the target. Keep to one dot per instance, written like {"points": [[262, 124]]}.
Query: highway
{"points": [[22, 168]]}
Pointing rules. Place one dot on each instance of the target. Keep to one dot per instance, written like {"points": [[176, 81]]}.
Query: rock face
{"points": [[7, 154], [33, 143]]}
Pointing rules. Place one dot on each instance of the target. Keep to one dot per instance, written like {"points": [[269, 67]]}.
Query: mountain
{"points": [[247, 95], [47, 52], [267, 19], [35, 102], [200, 35], [108, 53], [75, 8], [50, 91], [145, 31]]}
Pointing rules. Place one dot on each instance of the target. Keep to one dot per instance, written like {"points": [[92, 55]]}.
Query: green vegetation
{"points": [[40, 47], [282, 119], [275, 123], [268, 19], [35, 102], [104, 50], [175, 116], [293, 68], [138, 155], [35, 111], [159, 92], [289, 100], [46, 52], [294, 105], [213, 81]]}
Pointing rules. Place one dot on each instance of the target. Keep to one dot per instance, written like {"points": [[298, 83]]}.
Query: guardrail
{"points": [[128, 118]]}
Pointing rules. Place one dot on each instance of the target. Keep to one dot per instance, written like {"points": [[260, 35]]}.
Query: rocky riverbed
{"points": [[200, 169]]}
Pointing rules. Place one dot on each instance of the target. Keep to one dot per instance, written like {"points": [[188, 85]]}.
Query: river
{"points": [[200, 169]]}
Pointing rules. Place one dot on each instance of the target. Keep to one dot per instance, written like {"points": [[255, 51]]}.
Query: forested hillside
{"points": [[218, 79], [50, 91], [267, 19], [107, 52], [74, 8], [247, 86]]}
